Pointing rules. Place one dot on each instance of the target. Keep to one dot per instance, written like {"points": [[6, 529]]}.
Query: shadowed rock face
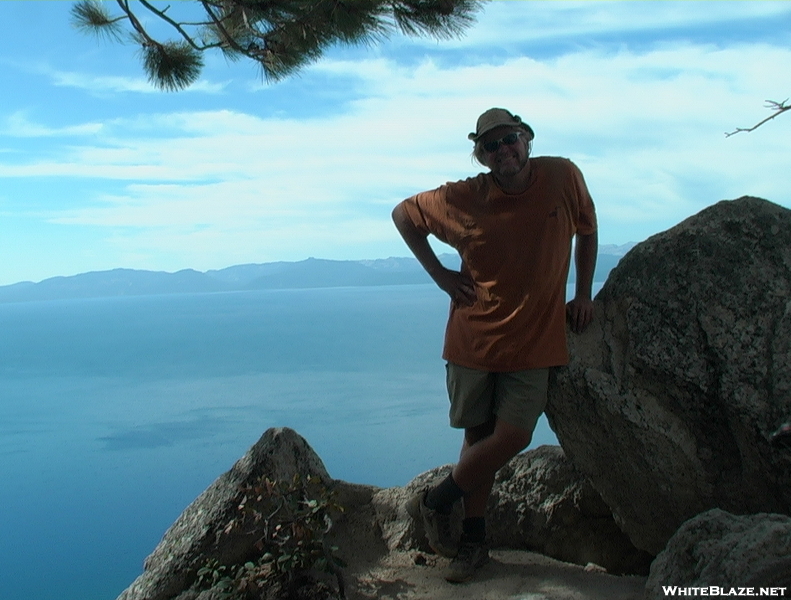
{"points": [[541, 502], [717, 548], [671, 394]]}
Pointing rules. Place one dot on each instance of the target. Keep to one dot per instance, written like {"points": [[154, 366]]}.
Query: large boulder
{"points": [[539, 502], [719, 550], [672, 393], [195, 537]]}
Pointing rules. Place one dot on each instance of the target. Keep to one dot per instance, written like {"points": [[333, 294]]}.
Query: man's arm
{"points": [[580, 309], [458, 286]]}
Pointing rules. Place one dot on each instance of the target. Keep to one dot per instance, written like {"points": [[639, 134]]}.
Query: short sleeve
{"points": [[586, 211], [425, 210], [444, 212]]}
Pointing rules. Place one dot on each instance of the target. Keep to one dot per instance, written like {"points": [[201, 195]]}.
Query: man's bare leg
{"points": [[481, 460], [485, 449], [475, 502]]}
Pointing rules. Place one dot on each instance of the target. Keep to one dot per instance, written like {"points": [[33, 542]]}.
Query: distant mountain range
{"points": [[310, 273]]}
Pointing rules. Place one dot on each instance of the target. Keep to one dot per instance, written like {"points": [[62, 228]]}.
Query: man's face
{"points": [[507, 159]]}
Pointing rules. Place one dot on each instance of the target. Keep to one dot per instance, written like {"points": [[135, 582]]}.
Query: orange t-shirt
{"points": [[516, 248]]}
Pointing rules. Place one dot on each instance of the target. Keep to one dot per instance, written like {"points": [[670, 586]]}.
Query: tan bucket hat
{"points": [[498, 117]]}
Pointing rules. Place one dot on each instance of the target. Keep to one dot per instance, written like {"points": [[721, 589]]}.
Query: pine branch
{"points": [[141, 35], [177, 26], [282, 36], [171, 66], [90, 16], [443, 19]]}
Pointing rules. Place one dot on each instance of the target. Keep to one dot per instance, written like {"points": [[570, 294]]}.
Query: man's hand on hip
{"points": [[459, 286]]}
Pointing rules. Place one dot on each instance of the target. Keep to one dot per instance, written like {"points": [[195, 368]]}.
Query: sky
{"points": [[99, 170]]}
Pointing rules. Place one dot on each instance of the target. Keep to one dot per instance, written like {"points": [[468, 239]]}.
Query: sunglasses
{"points": [[508, 140]]}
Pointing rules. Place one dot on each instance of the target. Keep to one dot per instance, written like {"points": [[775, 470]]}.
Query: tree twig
{"points": [[124, 4], [218, 23], [778, 107], [177, 26]]}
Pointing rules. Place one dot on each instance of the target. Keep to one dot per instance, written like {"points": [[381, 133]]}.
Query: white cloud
{"points": [[18, 125], [507, 24], [210, 188], [102, 84]]}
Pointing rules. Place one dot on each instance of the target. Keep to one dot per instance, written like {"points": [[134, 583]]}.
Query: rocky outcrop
{"points": [[718, 549], [540, 502], [195, 538], [673, 391]]}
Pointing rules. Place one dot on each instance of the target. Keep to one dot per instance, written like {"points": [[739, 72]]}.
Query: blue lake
{"points": [[116, 413]]}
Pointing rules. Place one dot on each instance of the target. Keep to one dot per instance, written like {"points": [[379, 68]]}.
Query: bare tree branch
{"points": [[138, 27], [778, 108], [177, 26]]}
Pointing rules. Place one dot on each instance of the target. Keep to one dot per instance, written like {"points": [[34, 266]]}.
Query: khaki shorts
{"points": [[476, 397]]}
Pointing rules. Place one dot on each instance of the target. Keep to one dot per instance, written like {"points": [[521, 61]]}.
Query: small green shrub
{"points": [[211, 574], [289, 521]]}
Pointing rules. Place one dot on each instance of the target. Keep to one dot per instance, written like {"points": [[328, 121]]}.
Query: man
{"points": [[513, 228]]}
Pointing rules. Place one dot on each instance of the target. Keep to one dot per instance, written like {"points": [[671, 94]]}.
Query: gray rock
{"points": [[719, 549], [398, 529], [542, 503], [194, 538], [672, 393], [539, 503]]}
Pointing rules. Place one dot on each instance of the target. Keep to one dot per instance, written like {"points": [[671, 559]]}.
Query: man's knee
{"points": [[473, 435], [515, 438], [522, 440]]}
